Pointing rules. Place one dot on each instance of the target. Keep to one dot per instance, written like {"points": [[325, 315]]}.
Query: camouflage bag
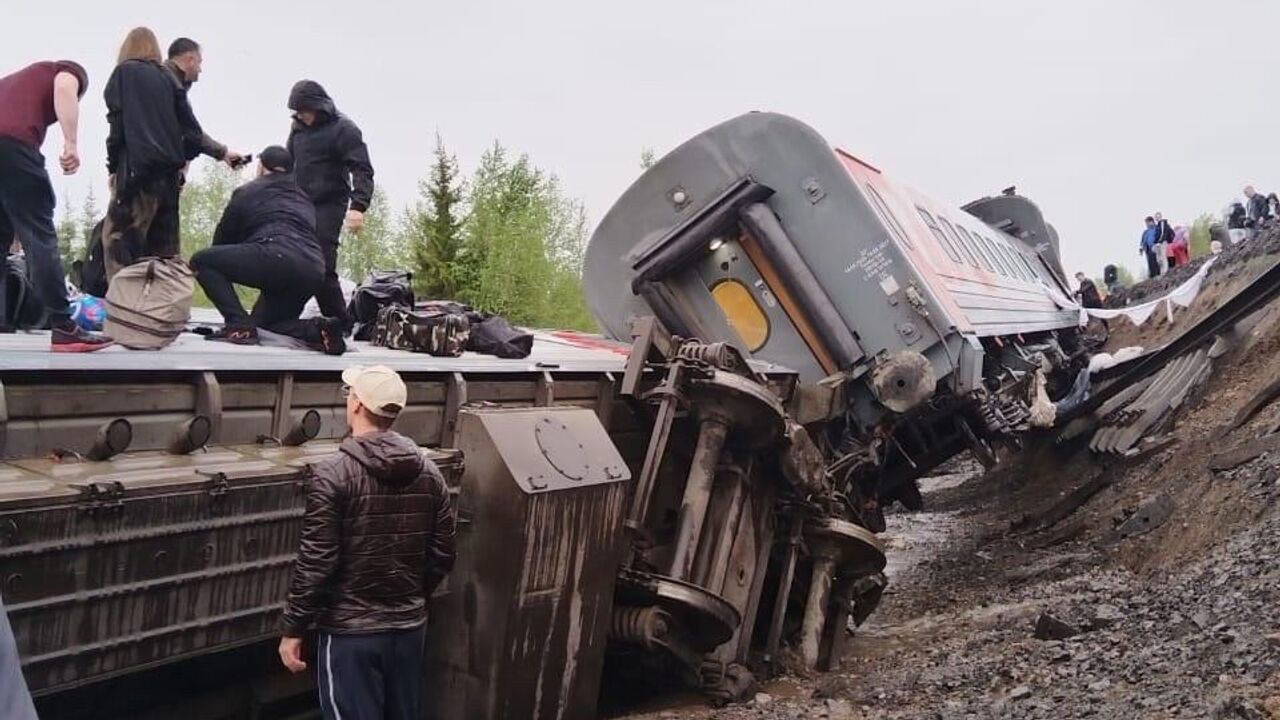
{"points": [[439, 334]]}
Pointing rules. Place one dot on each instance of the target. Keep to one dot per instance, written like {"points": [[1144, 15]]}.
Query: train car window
{"points": [[985, 243], [1014, 257], [943, 240], [1030, 268], [1007, 254], [957, 240], [1006, 269], [975, 248], [743, 313], [887, 216]]}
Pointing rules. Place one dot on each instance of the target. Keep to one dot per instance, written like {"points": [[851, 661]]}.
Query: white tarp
{"points": [[1182, 296]]}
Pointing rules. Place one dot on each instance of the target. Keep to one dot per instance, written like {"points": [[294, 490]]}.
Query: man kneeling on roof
{"points": [[266, 239]]}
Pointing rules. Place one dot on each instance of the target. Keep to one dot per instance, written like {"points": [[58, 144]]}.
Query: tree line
{"points": [[506, 239]]}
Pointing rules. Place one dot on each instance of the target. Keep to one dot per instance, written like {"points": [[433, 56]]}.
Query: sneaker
{"points": [[331, 336], [75, 339]]}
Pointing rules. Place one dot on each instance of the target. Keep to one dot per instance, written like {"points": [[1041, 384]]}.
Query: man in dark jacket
{"points": [[31, 100], [151, 129], [1148, 246], [333, 168], [1257, 208], [266, 239], [377, 539], [185, 62]]}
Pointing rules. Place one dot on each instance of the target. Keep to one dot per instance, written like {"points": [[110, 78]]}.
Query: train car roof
{"points": [[553, 350]]}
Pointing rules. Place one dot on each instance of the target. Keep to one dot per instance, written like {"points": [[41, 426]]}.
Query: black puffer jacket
{"points": [[377, 539], [274, 208], [329, 156], [151, 124]]}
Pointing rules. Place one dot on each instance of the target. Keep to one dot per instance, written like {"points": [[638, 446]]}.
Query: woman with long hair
{"points": [[152, 129], [139, 44]]}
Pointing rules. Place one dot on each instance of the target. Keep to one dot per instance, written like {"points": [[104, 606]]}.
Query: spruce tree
{"points": [[436, 224]]}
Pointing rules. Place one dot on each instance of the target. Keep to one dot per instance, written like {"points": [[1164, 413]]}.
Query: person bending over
{"points": [[266, 239]]}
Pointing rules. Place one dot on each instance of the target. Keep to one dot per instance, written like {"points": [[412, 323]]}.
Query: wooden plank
{"points": [[1244, 452]]}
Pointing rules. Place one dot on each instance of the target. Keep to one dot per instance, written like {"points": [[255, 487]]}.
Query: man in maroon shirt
{"points": [[31, 100]]}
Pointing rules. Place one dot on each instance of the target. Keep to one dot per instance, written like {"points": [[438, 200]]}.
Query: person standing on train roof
{"points": [[185, 62], [1147, 247], [332, 166], [377, 540], [31, 100]]}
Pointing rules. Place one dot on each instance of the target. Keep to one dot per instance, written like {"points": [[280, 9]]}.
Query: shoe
{"points": [[75, 339], [331, 336]]}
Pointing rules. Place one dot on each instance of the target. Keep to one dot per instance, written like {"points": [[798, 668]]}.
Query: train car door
{"points": [[725, 286]]}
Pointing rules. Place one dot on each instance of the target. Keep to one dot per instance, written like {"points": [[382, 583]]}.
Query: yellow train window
{"points": [[743, 313]]}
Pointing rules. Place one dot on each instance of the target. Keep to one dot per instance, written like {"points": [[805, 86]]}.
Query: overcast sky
{"points": [[1102, 112]]}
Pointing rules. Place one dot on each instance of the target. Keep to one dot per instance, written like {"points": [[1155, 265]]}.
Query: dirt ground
{"points": [[1158, 598]]}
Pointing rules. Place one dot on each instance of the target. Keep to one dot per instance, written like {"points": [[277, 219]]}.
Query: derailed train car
{"points": [[805, 337], [922, 325]]}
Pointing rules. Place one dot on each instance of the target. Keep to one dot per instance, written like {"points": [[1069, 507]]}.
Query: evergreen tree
{"points": [[435, 228], [66, 230], [88, 219], [380, 244]]}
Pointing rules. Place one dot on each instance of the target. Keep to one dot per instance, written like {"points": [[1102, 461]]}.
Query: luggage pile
{"points": [[386, 314]]}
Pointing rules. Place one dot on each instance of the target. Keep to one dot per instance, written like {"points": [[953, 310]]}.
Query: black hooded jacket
{"points": [[152, 128], [330, 157], [377, 539], [274, 208]]}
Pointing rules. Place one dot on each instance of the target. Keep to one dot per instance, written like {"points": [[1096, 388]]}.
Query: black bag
{"points": [[90, 274], [434, 333], [495, 336], [19, 306], [383, 288]]}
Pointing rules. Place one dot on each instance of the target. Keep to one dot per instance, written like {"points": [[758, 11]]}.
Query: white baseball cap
{"points": [[378, 388]]}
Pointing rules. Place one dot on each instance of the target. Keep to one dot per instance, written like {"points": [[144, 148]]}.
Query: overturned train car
{"points": [[918, 329]]}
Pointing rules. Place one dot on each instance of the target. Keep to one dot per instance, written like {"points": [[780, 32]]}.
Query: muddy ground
{"points": [[1158, 598]]}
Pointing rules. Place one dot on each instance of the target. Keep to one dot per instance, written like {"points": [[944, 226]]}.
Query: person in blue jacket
{"points": [[1150, 238], [15, 700]]}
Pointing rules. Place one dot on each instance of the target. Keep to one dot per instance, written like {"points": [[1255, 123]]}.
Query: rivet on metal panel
{"points": [[206, 554], [251, 547], [13, 583]]}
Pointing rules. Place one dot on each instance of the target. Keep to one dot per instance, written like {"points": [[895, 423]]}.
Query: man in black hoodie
{"points": [[266, 239], [333, 168], [377, 539]]}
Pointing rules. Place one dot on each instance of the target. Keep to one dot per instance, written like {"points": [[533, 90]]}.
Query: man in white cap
{"points": [[377, 539]]}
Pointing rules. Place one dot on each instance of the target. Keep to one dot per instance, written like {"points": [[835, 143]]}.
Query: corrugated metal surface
{"points": [[111, 567]]}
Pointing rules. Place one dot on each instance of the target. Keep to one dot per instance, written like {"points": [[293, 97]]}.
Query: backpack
{"points": [[439, 334], [149, 303], [381, 289], [90, 274], [19, 306]]}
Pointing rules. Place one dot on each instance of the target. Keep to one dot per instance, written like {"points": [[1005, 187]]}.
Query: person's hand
{"points": [[70, 159], [291, 654], [233, 159], [354, 221]]}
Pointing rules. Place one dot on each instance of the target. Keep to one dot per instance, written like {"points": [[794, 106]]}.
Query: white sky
{"points": [[1102, 112]]}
